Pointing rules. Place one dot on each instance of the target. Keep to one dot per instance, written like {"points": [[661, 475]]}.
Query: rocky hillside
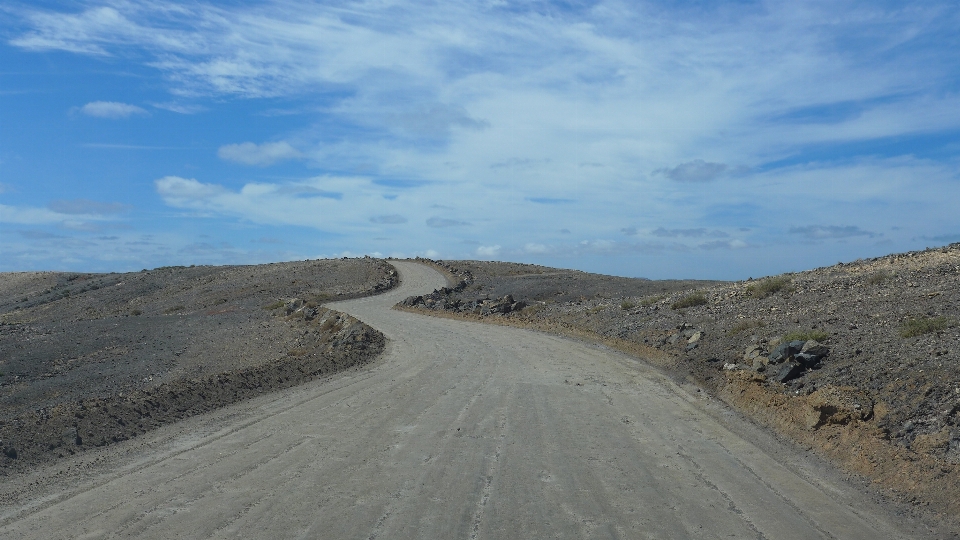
{"points": [[858, 361], [90, 359]]}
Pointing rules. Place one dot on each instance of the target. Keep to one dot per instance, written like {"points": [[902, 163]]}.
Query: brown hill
{"points": [[89, 359]]}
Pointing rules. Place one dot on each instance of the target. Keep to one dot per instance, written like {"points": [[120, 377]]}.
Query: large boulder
{"points": [[789, 371], [411, 301], [784, 351], [815, 348]]}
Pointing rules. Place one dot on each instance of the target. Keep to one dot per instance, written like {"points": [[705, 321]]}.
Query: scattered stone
{"points": [[752, 353], [760, 363]]}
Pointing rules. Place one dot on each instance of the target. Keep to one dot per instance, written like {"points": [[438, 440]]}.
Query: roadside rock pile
{"points": [[442, 300], [453, 299], [686, 335], [787, 361]]}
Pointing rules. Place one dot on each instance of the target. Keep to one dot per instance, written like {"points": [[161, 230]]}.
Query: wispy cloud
{"points": [[685, 125], [38, 235], [821, 232], [179, 108], [697, 170], [27, 215], [688, 233], [549, 200], [261, 155], [390, 219], [442, 223], [112, 109], [488, 251], [86, 206]]}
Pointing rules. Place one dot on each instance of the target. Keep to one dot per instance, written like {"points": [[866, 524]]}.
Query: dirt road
{"points": [[461, 431]]}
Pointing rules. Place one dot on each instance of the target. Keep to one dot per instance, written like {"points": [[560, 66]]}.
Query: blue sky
{"points": [[659, 139]]}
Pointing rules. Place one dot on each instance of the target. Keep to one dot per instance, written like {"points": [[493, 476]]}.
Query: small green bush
{"points": [[691, 300], [805, 335], [625, 305], [276, 305], [744, 325], [651, 300], [770, 286], [925, 325], [136, 312], [878, 277], [176, 308]]}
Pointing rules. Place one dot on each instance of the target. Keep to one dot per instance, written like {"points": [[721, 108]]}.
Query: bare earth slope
{"points": [[91, 359], [462, 430], [883, 400]]}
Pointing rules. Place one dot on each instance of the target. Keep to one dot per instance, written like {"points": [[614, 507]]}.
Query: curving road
{"points": [[460, 431]]}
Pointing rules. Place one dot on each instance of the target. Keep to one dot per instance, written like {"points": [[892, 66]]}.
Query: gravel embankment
{"points": [[877, 390]]}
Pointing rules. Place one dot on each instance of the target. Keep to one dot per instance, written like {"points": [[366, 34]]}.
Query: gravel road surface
{"points": [[461, 430]]}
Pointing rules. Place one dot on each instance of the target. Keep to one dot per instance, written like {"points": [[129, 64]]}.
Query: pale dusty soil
{"points": [[91, 359], [882, 406]]}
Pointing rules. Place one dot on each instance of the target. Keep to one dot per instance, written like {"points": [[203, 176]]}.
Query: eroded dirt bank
{"points": [[91, 359], [881, 396]]}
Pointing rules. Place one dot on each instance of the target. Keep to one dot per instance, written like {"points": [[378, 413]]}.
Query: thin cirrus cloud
{"points": [[86, 206], [823, 232], [389, 219], [261, 155], [60, 212], [697, 170], [443, 223], [319, 203], [688, 233], [112, 110]]}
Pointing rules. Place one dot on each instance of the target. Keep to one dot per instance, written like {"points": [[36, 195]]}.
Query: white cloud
{"points": [[86, 206], [28, 215], [390, 219], [498, 108], [488, 251], [697, 170], [111, 109], [71, 214], [179, 191], [820, 232], [180, 108], [262, 155], [442, 223]]}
